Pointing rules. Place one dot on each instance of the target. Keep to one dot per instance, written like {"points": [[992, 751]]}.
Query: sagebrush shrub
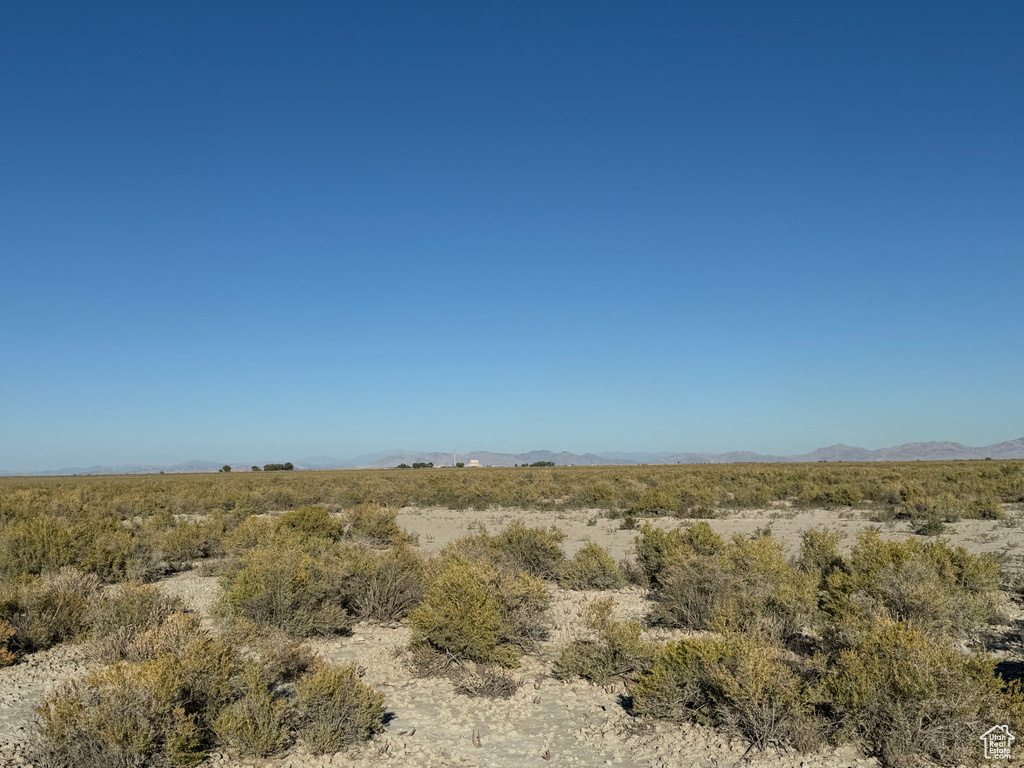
{"points": [[290, 590], [461, 616], [374, 525], [735, 682], [615, 649], [693, 593], [592, 567], [912, 698], [986, 509], [285, 659], [184, 542], [121, 715], [94, 543], [49, 610], [310, 528], [944, 590], [523, 604], [660, 500], [486, 681], [257, 723], [122, 613], [250, 533], [309, 522], [7, 653], [518, 548], [747, 584], [385, 586], [819, 553], [474, 612], [171, 684], [334, 708], [536, 551], [657, 549], [133, 605]]}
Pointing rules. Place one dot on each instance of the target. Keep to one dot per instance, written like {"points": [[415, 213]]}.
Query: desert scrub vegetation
{"points": [[909, 699], [703, 584], [473, 611], [912, 698], [333, 708], [289, 589], [313, 528], [516, 549], [98, 543], [781, 657], [959, 488], [592, 567], [375, 526], [657, 550], [300, 573], [485, 680], [865, 648], [310, 573], [700, 582], [177, 691], [157, 708], [737, 682], [942, 590], [70, 605], [613, 650]]}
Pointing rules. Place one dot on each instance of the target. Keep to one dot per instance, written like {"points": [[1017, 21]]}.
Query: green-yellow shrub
{"points": [[942, 589], [288, 589], [133, 606], [257, 723], [518, 548], [536, 551], [187, 541], [472, 611], [592, 567], [735, 682], [913, 698], [657, 549], [309, 522], [745, 585], [656, 501], [385, 586], [616, 649], [374, 525], [123, 613], [819, 553], [334, 708], [7, 653], [158, 707], [93, 543], [48, 610], [126, 715]]}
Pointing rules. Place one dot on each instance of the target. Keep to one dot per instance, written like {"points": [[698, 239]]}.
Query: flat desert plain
{"points": [[547, 721]]}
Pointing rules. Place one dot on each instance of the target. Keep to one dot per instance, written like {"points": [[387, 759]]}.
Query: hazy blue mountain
{"points": [[933, 451]]}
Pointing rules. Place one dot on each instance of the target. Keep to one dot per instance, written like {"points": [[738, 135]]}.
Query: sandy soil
{"points": [[573, 723]]}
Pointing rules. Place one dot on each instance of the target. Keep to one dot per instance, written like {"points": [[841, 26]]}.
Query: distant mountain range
{"points": [[935, 451]]}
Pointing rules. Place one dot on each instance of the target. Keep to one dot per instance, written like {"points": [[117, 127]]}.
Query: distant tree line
{"points": [[416, 465], [286, 467], [538, 464]]}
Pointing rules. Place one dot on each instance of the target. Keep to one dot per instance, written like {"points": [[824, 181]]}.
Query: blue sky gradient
{"points": [[261, 231]]}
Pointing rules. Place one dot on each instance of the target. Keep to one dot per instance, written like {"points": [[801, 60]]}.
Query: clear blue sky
{"points": [[262, 231]]}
